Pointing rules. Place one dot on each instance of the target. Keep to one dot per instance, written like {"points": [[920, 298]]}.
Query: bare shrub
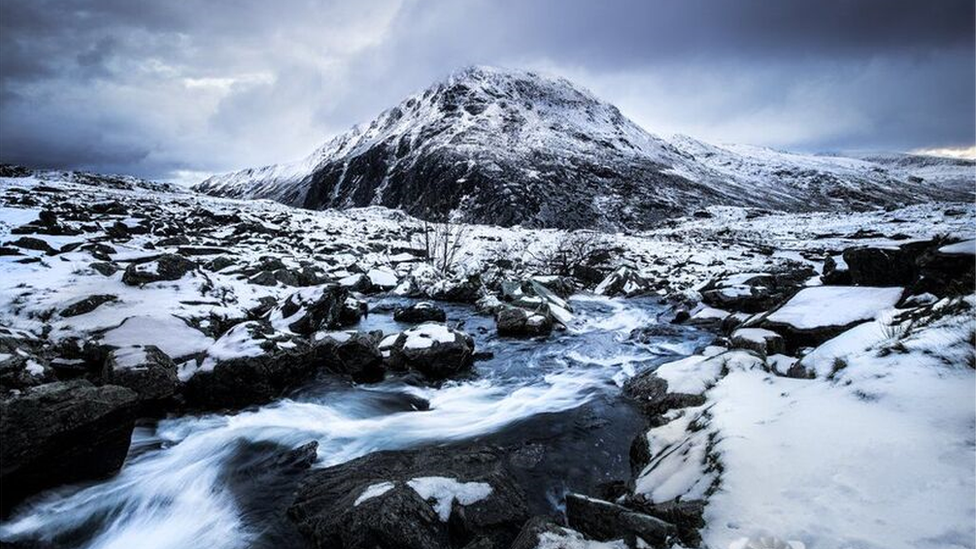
{"points": [[441, 243], [569, 252]]}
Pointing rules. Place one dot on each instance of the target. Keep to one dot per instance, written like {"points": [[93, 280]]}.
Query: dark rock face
{"points": [[880, 266], [685, 515], [833, 275], [312, 309], [534, 528], [375, 501], [604, 521], [146, 370], [87, 305], [518, 322], [434, 350], [247, 380], [651, 394], [63, 432], [420, 312], [165, 267], [355, 354], [766, 344]]}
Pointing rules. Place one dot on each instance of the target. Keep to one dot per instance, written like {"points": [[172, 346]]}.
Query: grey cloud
{"points": [[157, 87]]}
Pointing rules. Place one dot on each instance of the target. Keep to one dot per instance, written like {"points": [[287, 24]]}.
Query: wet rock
{"points": [[353, 310], [423, 311], [425, 499], [310, 310], [518, 322], [62, 432], [355, 354], [605, 521], [165, 267], [685, 515], [87, 305], [432, 349], [144, 369]]}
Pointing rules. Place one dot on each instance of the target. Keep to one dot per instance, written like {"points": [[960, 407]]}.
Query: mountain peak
{"points": [[506, 146]]}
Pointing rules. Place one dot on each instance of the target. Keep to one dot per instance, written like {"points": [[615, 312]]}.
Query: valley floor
{"points": [[846, 418]]}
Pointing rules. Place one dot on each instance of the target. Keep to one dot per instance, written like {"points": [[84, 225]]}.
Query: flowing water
{"points": [[216, 481]]}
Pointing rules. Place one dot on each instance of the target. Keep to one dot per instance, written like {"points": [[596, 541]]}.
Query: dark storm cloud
{"points": [[175, 89]]}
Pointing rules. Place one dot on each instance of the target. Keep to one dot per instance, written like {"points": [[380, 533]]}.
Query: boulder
{"points": [[685, 515], [652, 396], [355, 354], [881, 266], [835, 271], [458, 290], [87, 304], [165, 267], [518, 322], [537, 530], [624, 281], [423, 311], [428, 498], [757, 292], [432, 349], [763, 342], [144, 369], [21, 362], [62, 432], [31, 243], [250, 364], [353, 310], [606, 521], [819, 313], [310, 310]]}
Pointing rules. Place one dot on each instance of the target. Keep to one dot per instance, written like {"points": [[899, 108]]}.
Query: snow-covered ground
{"points": [[875, 451]]}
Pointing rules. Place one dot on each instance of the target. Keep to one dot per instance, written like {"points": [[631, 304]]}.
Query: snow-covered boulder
{"points": [[817, 314], [763, 342], [756, 292], [164, 267], [518, 322], [432, 349], [250, 364], [144, 369], [310, 309], [624, 281]]}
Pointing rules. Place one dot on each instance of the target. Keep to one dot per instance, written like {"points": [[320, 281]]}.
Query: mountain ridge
{"points": [[511, 147]]}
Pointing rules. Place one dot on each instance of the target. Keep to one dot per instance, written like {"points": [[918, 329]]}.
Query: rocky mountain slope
{"points": [[509, 147]]}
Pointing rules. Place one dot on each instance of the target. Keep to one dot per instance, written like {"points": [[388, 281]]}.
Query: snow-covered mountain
{"points": [[512, 147]]}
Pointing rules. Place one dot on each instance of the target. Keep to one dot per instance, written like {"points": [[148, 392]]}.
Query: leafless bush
{"points": [[441, 243], [569, 252]]}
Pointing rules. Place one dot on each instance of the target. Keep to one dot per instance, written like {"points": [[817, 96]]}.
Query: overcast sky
{"points": [[178, 89]]}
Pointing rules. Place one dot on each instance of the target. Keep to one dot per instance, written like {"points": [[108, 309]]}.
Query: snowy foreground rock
{"points": [[829, 402]]}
